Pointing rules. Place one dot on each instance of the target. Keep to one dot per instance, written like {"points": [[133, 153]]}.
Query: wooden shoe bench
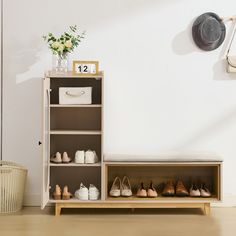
{"points": [[80, 127], [209, 172]]}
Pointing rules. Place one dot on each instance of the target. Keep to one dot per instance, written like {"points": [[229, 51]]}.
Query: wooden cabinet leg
{"points": [[207, 209], [57, 210]]}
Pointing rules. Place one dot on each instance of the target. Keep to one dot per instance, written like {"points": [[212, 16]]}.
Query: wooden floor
{"points": [[86, 222]]}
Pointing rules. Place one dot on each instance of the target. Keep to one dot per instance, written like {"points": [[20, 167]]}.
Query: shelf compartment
{"points": [[81, 118], [72, 143], [72, 177], [96, 85], [159, 174]]}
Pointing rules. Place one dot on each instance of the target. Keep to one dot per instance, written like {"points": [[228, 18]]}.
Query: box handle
{"points": [[75, 94]]}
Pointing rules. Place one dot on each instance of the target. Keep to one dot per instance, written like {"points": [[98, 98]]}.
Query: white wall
{"points": [[1, 78], [161, 92]]}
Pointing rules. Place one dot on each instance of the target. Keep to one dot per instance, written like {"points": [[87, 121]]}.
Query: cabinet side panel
{"points": [[45, 143]]}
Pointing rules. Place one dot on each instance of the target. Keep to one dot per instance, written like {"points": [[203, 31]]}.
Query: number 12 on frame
{"points": [[85, 68]]}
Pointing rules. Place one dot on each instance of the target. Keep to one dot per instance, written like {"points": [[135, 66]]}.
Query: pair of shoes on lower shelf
{"points": [[121, 188], [171, 190], [85, 194], [58, 195], [150, 192], [88, 157], [180, 190], [57, 158], [203, 191]]}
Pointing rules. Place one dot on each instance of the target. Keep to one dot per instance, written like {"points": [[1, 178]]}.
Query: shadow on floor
{"points": [[116, 211], [113, 211]]}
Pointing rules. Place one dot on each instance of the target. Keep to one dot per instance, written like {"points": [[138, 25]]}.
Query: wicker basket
{"points": [[12, 186]]}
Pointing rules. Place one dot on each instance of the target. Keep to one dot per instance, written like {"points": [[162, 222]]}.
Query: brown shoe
{"points": [[169, 189], [66, 195], [181, 191], [57, 193]]}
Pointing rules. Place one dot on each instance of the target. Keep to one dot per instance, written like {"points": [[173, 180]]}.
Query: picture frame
{"points": [[88, 68]]}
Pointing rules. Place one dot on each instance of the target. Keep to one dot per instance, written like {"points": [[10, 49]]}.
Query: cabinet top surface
{"points": [[164, 157], [69, 74]]}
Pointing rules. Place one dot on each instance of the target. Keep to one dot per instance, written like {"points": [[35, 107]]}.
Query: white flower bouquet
{"points": [[66, 43]]}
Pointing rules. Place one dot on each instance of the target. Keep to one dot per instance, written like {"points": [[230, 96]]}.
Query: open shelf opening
{"points": [[72, 177], [72, 143], [159, 175], [80, 118], [96, 85]]}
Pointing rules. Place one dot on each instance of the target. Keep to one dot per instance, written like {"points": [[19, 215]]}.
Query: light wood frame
{"points": [[96, 63], [88, 138], [156, 171], [160, 202]]}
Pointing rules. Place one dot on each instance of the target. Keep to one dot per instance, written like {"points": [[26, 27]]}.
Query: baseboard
{"points": [[228, 201], [32, 200], [35, 200]]}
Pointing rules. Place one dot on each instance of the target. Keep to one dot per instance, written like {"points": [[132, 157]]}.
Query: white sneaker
{"points": [[79, 157], [82, 193], [56, 158], [65, 158], [93, 192], [91, 157]]}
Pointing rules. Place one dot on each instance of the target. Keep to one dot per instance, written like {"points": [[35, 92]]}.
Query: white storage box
{"points": [[75, 95]]}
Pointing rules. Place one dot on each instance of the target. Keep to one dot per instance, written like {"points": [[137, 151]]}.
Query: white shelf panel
{"points": [[69, 74], [72, 164], [80, 106], [151, 201], [76, 132], [162, 199], [73, 200]]}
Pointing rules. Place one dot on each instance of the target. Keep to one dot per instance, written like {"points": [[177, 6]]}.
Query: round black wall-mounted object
{"points": [[208, 31]]}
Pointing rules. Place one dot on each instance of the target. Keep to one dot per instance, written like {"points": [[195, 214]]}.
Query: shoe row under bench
{"points": [[158, 172]]}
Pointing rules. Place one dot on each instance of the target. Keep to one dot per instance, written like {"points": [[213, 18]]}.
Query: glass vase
{"points": [[60, 63]]}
